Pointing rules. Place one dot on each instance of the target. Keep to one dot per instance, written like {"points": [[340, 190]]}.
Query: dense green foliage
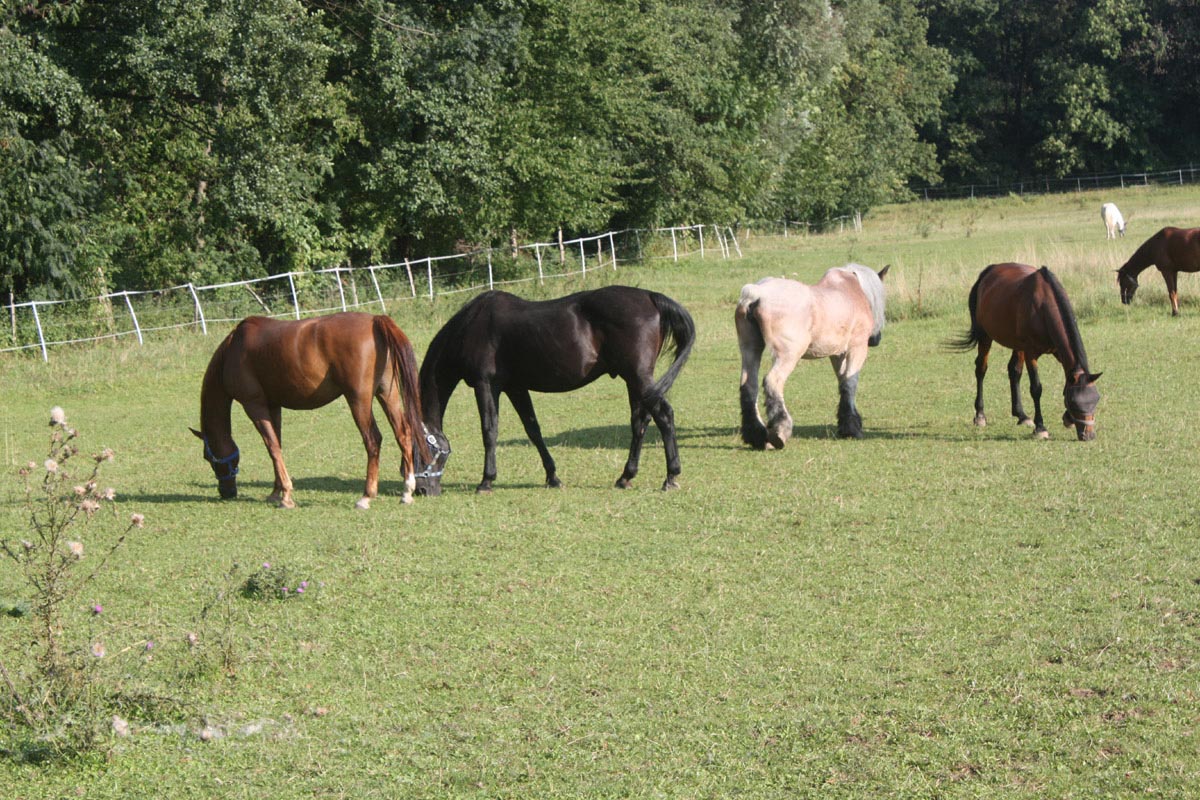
{"points": [[1053, 88], [147, 143]]}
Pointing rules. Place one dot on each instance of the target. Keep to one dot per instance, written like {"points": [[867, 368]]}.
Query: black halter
{"points": [[222, 462]]}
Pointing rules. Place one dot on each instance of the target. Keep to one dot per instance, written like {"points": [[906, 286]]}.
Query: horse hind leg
{"points": [[404, 438], [750, 342], [779, 421], [1016, 366], [981, 367], [639, 419]]}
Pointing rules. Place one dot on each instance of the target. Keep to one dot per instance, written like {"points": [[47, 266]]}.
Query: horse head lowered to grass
{"points": [[1026, 309], [838, 318], [268, 365], [1172, 250], [500, 343]]}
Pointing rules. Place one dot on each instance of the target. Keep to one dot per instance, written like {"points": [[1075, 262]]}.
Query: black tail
{"points": [[971, 338], [676, 324]]}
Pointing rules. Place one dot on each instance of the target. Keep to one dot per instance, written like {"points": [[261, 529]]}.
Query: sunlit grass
{"points": [[934, 611]]}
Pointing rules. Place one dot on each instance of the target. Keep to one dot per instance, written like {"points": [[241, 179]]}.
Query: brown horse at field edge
{"points": [[1026, 309], [1172, 250]]}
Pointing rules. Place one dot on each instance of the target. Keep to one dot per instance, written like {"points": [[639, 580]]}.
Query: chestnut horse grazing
{"points": [[498, 343], [1027, 310], [268, 365], [838, 318], [1172, 250]]}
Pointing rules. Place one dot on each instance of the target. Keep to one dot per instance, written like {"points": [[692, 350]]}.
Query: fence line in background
{"points": [[1178, 176], [42, 324]]}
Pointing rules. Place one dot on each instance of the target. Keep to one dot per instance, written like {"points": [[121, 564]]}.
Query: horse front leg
{"points": [[1035, 389], [1171, 278], [360, 409], [523, 404], [849, 420], [750, 342], [1016, 366], [486, 398], [264, 420], [981, 367]]}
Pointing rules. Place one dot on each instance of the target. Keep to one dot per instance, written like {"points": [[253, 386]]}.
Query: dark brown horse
{"points": [[268, 365], [1027, 310], [499, 343], [1172, 250]]}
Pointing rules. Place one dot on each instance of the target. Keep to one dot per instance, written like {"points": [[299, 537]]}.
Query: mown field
{"points": [[933, 611]]}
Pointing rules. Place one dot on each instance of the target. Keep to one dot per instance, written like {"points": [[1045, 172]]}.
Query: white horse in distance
{"points": [[1114, 223]]}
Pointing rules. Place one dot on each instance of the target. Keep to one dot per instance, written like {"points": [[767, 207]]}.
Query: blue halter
{"points": [[222, 462]]}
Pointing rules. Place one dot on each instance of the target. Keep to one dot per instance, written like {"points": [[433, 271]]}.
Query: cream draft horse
{"points": [[838, 318], [1114, 223]]}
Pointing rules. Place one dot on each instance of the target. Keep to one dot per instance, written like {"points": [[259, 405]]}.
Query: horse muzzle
{"points": [[1085, 428], [227, 489]]}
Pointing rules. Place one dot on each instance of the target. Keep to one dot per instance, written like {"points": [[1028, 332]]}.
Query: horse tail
{"points": [[404, 373], [975, 333], [675, 323], [747, 309]]}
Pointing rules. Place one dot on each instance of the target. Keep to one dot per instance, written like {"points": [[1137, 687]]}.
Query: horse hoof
{"points": [[980, 421], [775, 442], [670, 484], [553, 483], [285, 502], [483, 489], [363, 503], [1026, 421], [622, 483], [1041, 434]]}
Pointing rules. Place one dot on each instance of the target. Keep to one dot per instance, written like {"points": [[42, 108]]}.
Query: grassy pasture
{"points": [[933, 611]]}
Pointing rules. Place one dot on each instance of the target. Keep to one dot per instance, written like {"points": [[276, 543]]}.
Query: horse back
{"points": [[1016, 307], [302, 364], [1178, 249]]}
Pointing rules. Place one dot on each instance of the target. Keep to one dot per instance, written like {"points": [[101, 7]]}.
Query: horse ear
{"points": [[1094, 378], [883, 271], [197, 434]]}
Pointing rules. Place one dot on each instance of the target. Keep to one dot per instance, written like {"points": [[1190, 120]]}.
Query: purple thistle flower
{"points": [[97, 609]]}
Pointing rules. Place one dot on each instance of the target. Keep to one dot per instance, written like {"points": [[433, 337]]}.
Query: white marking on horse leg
{"points": [[363, 503]]}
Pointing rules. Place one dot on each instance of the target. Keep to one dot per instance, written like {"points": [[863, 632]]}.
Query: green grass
{"points": [[933, 611]]}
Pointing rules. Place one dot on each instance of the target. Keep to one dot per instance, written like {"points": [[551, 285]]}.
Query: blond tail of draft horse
{"points": [[1172, 250], [1026, 309], [268, 365], [838, 318]]}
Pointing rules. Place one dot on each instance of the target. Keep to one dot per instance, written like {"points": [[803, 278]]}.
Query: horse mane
{"points": [[1070, 325], [872, 287]]}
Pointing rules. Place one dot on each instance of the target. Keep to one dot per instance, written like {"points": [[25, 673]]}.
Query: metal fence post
{"points": [[37, 320], [137, 328], [199, 309], [295, 299], [378, 293]]}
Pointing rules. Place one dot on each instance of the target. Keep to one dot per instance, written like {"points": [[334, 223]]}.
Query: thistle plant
{"points": [[48, 678]]}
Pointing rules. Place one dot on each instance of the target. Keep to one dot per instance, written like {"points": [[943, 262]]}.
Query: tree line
{"points": [[144, 143]]}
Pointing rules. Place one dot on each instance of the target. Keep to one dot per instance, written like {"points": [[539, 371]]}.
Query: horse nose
{"points": [[227, 491], [1086, 433]]}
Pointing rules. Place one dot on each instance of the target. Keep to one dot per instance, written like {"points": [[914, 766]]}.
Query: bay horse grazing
{"points": [[838, 318], [1172, 250], [499, 343], [1114, 223], [268, 365], [1026, 309]]}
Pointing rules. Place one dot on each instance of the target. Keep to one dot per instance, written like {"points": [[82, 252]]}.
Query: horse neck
{"points": [[435, 391], [215, 407], [1142, 259], [1064, 331]]}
